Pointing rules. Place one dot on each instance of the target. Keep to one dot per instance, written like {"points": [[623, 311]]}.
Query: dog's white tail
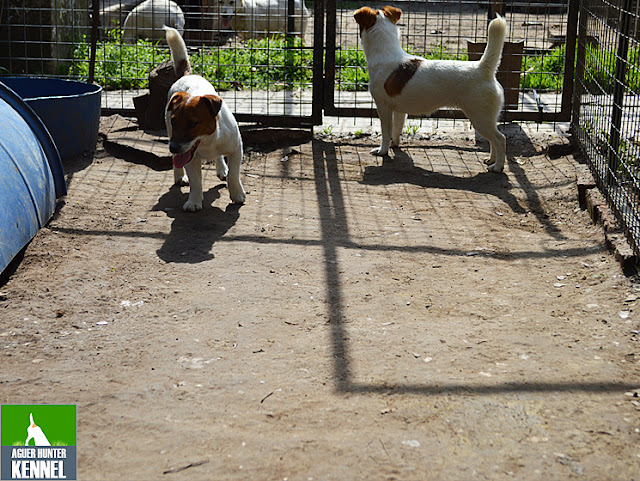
{"points": [[179, 53], [493, 52]]}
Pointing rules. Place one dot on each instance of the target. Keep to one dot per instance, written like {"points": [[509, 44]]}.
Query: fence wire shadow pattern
{"points": [[274, 66], [606, 118]]}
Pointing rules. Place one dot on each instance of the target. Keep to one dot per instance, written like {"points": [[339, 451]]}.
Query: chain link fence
{"points": [[606, 117]]}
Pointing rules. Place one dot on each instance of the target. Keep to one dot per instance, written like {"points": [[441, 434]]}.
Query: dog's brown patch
{"points": [[392, 13], [192, 117], [365, 17], [401, 76]]}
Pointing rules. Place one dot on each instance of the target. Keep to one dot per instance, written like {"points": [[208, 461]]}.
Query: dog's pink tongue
{"points": [[180, 160]]}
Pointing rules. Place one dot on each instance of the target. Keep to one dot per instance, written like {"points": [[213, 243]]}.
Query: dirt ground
{"points": [[357, 319]]}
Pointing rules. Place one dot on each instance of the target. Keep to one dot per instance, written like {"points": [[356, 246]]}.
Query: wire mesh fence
{"points": [[532, 71], [259, 52], [265, 53], [607, 104], [288, 61]]}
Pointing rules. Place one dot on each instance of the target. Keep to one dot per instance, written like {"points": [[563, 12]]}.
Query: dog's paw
{"points": [[191, 206], [222, 173], [222, 170], [237, 195], [180, 178], [379, 151], [495, 168], [238, 199]]}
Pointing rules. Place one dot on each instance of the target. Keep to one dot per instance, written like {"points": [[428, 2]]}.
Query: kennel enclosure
{"points": [[574, 61]]}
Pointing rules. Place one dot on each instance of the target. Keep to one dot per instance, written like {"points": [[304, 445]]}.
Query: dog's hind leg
{"points": [[498, 149], [396, 129], [236, 191], [194, 172], [386, 120], [221, 168], [486, 126]]}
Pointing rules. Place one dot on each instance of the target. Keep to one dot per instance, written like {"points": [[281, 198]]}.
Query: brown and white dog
{"points": [[200, 127], [404, 84]]}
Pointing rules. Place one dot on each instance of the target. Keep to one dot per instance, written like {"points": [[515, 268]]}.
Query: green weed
{"points": [[327, 129], [410, 128], [546, 70], [277, 63], [272, 63]]}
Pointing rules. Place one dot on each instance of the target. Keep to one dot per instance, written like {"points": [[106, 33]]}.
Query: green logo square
{"points": [[38, 441], [56, 421]]}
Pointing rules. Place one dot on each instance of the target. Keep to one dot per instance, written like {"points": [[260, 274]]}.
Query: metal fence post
{"points": [[95, 20], [318, 61], [581, 53]]}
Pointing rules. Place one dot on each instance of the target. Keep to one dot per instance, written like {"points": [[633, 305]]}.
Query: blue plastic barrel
{"points": [[32, 176], [69, 109]]}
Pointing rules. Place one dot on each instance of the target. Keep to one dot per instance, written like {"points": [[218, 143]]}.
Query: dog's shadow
{"points": [[193, 234], [401, 170]]}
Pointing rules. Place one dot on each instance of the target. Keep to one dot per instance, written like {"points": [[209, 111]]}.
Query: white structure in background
{"points": [[148, 18]]}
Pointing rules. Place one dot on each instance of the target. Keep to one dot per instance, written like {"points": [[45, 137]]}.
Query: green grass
{"points": [[263, 64], [274, 64], [118, 66], [545, 71], [600, 68]]}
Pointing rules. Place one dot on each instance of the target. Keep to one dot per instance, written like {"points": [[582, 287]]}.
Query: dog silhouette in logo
{"points": [[35, 432]]}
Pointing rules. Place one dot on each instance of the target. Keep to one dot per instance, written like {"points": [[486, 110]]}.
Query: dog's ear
{"points": [[392, 13], [365, 17], [175, 100], [213, 103]]}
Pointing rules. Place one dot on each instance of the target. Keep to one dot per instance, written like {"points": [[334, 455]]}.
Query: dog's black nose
{"points": [[174, 148]]}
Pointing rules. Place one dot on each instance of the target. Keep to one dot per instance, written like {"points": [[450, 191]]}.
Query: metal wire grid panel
{"points": [[606, 116], [261, 59], [532, 71], [38, 37]]}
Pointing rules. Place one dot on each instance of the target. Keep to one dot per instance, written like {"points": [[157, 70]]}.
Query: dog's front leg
{"points": [[179, 178], [396, 130], [386, 119], [194, 171]]}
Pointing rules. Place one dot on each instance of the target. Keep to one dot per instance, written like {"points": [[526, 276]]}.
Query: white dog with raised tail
{"points": [[404, 84], [200, 127], [35, 432]]}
